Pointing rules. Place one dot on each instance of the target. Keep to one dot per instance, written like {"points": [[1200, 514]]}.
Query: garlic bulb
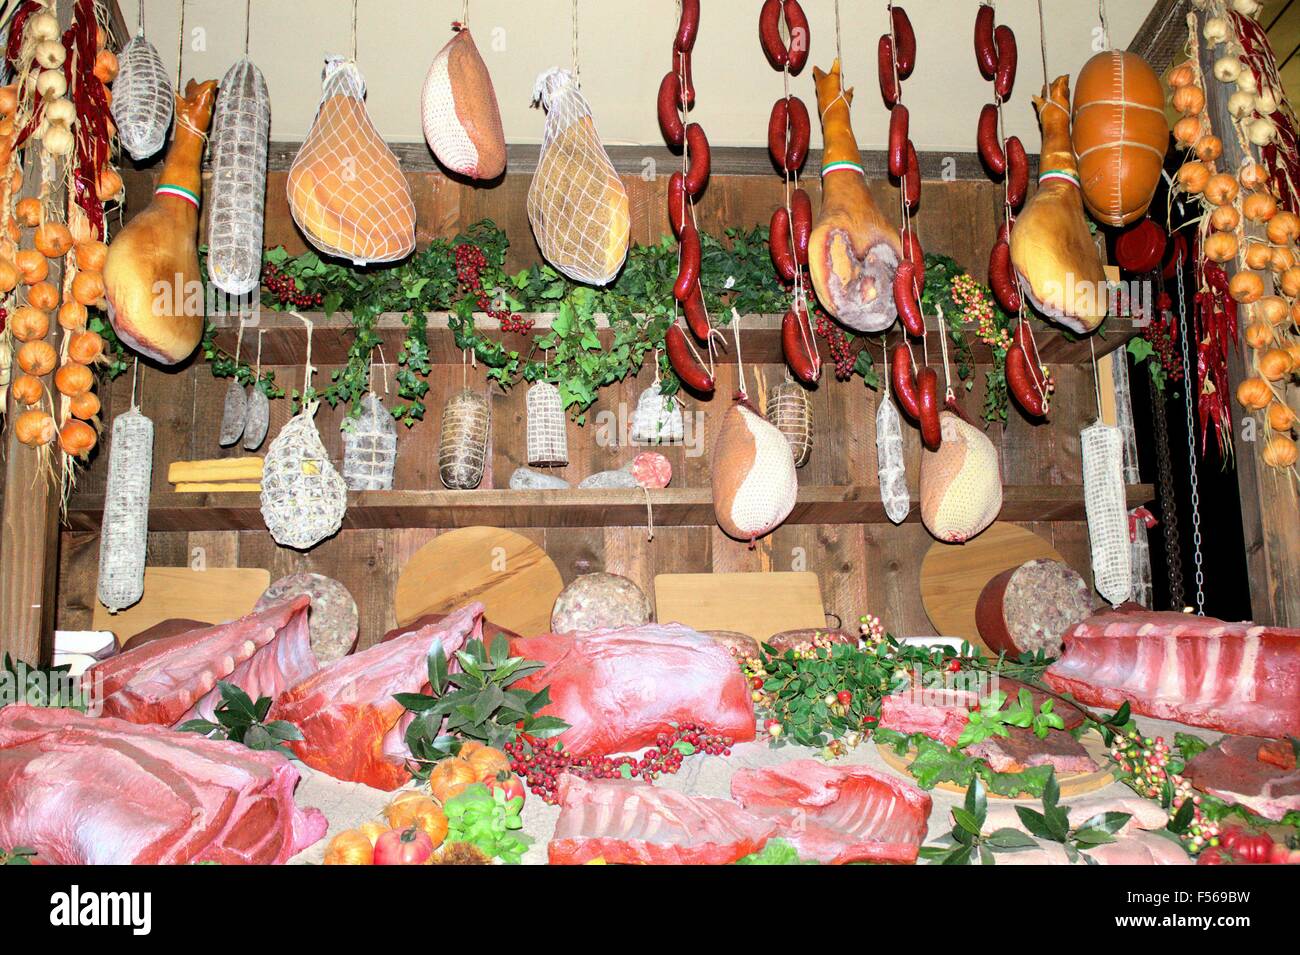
{"points": [[58, 140], [1247, 8], [1261, 131], [1265, 103], [1241, 103], [61, 112], [51, 84], [1247, 83], [50, 54], [1227, 69], [1216, 29], [43, 26]]}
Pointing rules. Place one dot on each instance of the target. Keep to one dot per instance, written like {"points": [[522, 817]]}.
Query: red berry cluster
{"points": [[470, 263], [541, 765], [285, 289], [1161, 334], [837, 339]]}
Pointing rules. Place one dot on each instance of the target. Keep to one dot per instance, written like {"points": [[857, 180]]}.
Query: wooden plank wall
{"points": [[862, 568]]}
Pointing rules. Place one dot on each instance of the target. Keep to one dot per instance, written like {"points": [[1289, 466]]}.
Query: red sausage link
{"points": [[688, 84], [687, 367], [1020, 382], [789, 132], [688, 272], [1017, 173], [687, 27], [986, 138], [1022, 338], [927, 393], [1005, 76], [670, 119], [912, 181], [697, 148], [913, 253], [778, 243], [796, 24], [986, 51], [697, 318], [777, 121], [904, 41], [677, 205], [909, 313], [898, 126], [885, 71], [1001, 279], [796, 340], [801, 210], [769, 34], [900, 373]]}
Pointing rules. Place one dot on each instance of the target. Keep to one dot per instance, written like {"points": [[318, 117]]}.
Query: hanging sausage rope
{"points": [[675, 101], [784, 37]]}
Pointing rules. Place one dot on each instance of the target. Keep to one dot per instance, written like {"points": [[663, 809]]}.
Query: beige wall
{"points": [[625, 49]]}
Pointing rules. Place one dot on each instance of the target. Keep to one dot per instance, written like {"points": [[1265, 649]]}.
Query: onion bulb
{"points": [[1240, 103], [50, 54], [1289, 281], [1253, 175], [1259, 207], [43, 26], [1227, 69], [1225, 218], [1187, 131], [1193, 176], [1280, 452], [1274, 364], [58, 141], [1272, 309], [1281, 417], [1261, 131], [1247, 83], [60, 112], [1209, 148], [35, 428], [1254, 393], [1182, 75], [51, 84], [1265, 103], [1246, 287], [1282, 259], [1247, 8], [1215, 29], [1189, 100], [1221, 246], [77, 438], [1259, 255], [1220, 189], [1284, 227]]}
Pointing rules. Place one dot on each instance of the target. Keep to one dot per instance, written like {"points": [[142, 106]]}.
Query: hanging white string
{"points": [[354, 30], [740, 361], [577, 72], [248, 23], [1105, 27], [180, 42]]}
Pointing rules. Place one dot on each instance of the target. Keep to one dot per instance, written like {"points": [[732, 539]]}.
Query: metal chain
{"points": [[1185, 333], [1168, 501]]}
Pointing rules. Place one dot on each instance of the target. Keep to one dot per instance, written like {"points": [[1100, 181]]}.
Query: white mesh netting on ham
{"points": [[241, 124], [459, 113], [961, 482], [370, 447], [346, 188], [1104, 502], [577, 205], [143, 99], [548, 442]]}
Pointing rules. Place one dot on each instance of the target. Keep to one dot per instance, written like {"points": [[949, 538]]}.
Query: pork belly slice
{"points": [[838, 814], [626, 821], [1250, 771], [1234, 677], [84, 790], [174, 679], [1021, 749]]}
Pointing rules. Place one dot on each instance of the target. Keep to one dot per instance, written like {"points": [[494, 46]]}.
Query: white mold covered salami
{"points": [[1030, 607], [890, 468]]}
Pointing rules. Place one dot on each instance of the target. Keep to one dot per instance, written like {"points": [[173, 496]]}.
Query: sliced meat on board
{"points": [[1234, 677], [942, 713], [619, 689], [1250, 771], [352, 727], [101, 791], [1021, 749], [837, 814], [174, 679], [626, 821]]}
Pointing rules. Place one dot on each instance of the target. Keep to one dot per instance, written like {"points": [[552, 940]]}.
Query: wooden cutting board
{"points": [[214, 595], [510, 574], [755, 604], [952, 575]]}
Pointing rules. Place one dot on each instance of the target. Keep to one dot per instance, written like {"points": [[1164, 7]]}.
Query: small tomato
{"points": [[403, 847], [508, 783]]}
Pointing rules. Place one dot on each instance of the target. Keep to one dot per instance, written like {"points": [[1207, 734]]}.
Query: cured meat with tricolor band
{"points": [[624, 821], [175, 679], [352, 727], [1234, 677], [83, 790], [837, 814], [1250, 771], [619, 689]]}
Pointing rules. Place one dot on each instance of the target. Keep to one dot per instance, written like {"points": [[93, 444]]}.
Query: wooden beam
{"points": [[1163, 34], [1270, 512]]}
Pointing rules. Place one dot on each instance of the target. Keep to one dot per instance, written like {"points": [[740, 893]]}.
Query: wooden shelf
{"points": [[285, 338], [673, 507]]}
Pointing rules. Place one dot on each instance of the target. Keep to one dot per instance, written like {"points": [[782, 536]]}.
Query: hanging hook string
{"points": [[180, 43], [1096, 377], [464, 15], [258, 373], [248, 22], [740, 361], [577, 70], [140, 16], [354, 30], [1042, 40], [1105, 27]]}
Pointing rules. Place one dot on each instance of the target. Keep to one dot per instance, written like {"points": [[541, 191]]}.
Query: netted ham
{"points": [[625, 821], [458, 108], [961, 482], [754, 479], [837, 814], [172, 680], [346, 189], [1233, 677], [352, 727], [1250, 771], [100, 791], [619, 689]]}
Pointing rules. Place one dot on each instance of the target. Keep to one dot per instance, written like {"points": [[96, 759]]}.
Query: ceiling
{"points": [[625, 48]]}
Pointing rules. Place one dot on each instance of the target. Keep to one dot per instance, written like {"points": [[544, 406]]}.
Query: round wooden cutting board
{"points": [[953, 575], [509, 573]]}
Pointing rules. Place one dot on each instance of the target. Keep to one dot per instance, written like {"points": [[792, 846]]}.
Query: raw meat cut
{"points": [[490, 629], [83, 790], [1021, 749], [625, 821], [174, 679], [939, 714], [618, 689], [796, 639], [1249, 771], [1234, 677], [352, 727], [1140, 848], [1145, 813], [838, 814]]}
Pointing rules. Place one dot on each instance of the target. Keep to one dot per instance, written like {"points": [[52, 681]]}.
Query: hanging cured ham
{"points": [[854, 251], [458, 107], [1055, 259], [158, 249]]}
